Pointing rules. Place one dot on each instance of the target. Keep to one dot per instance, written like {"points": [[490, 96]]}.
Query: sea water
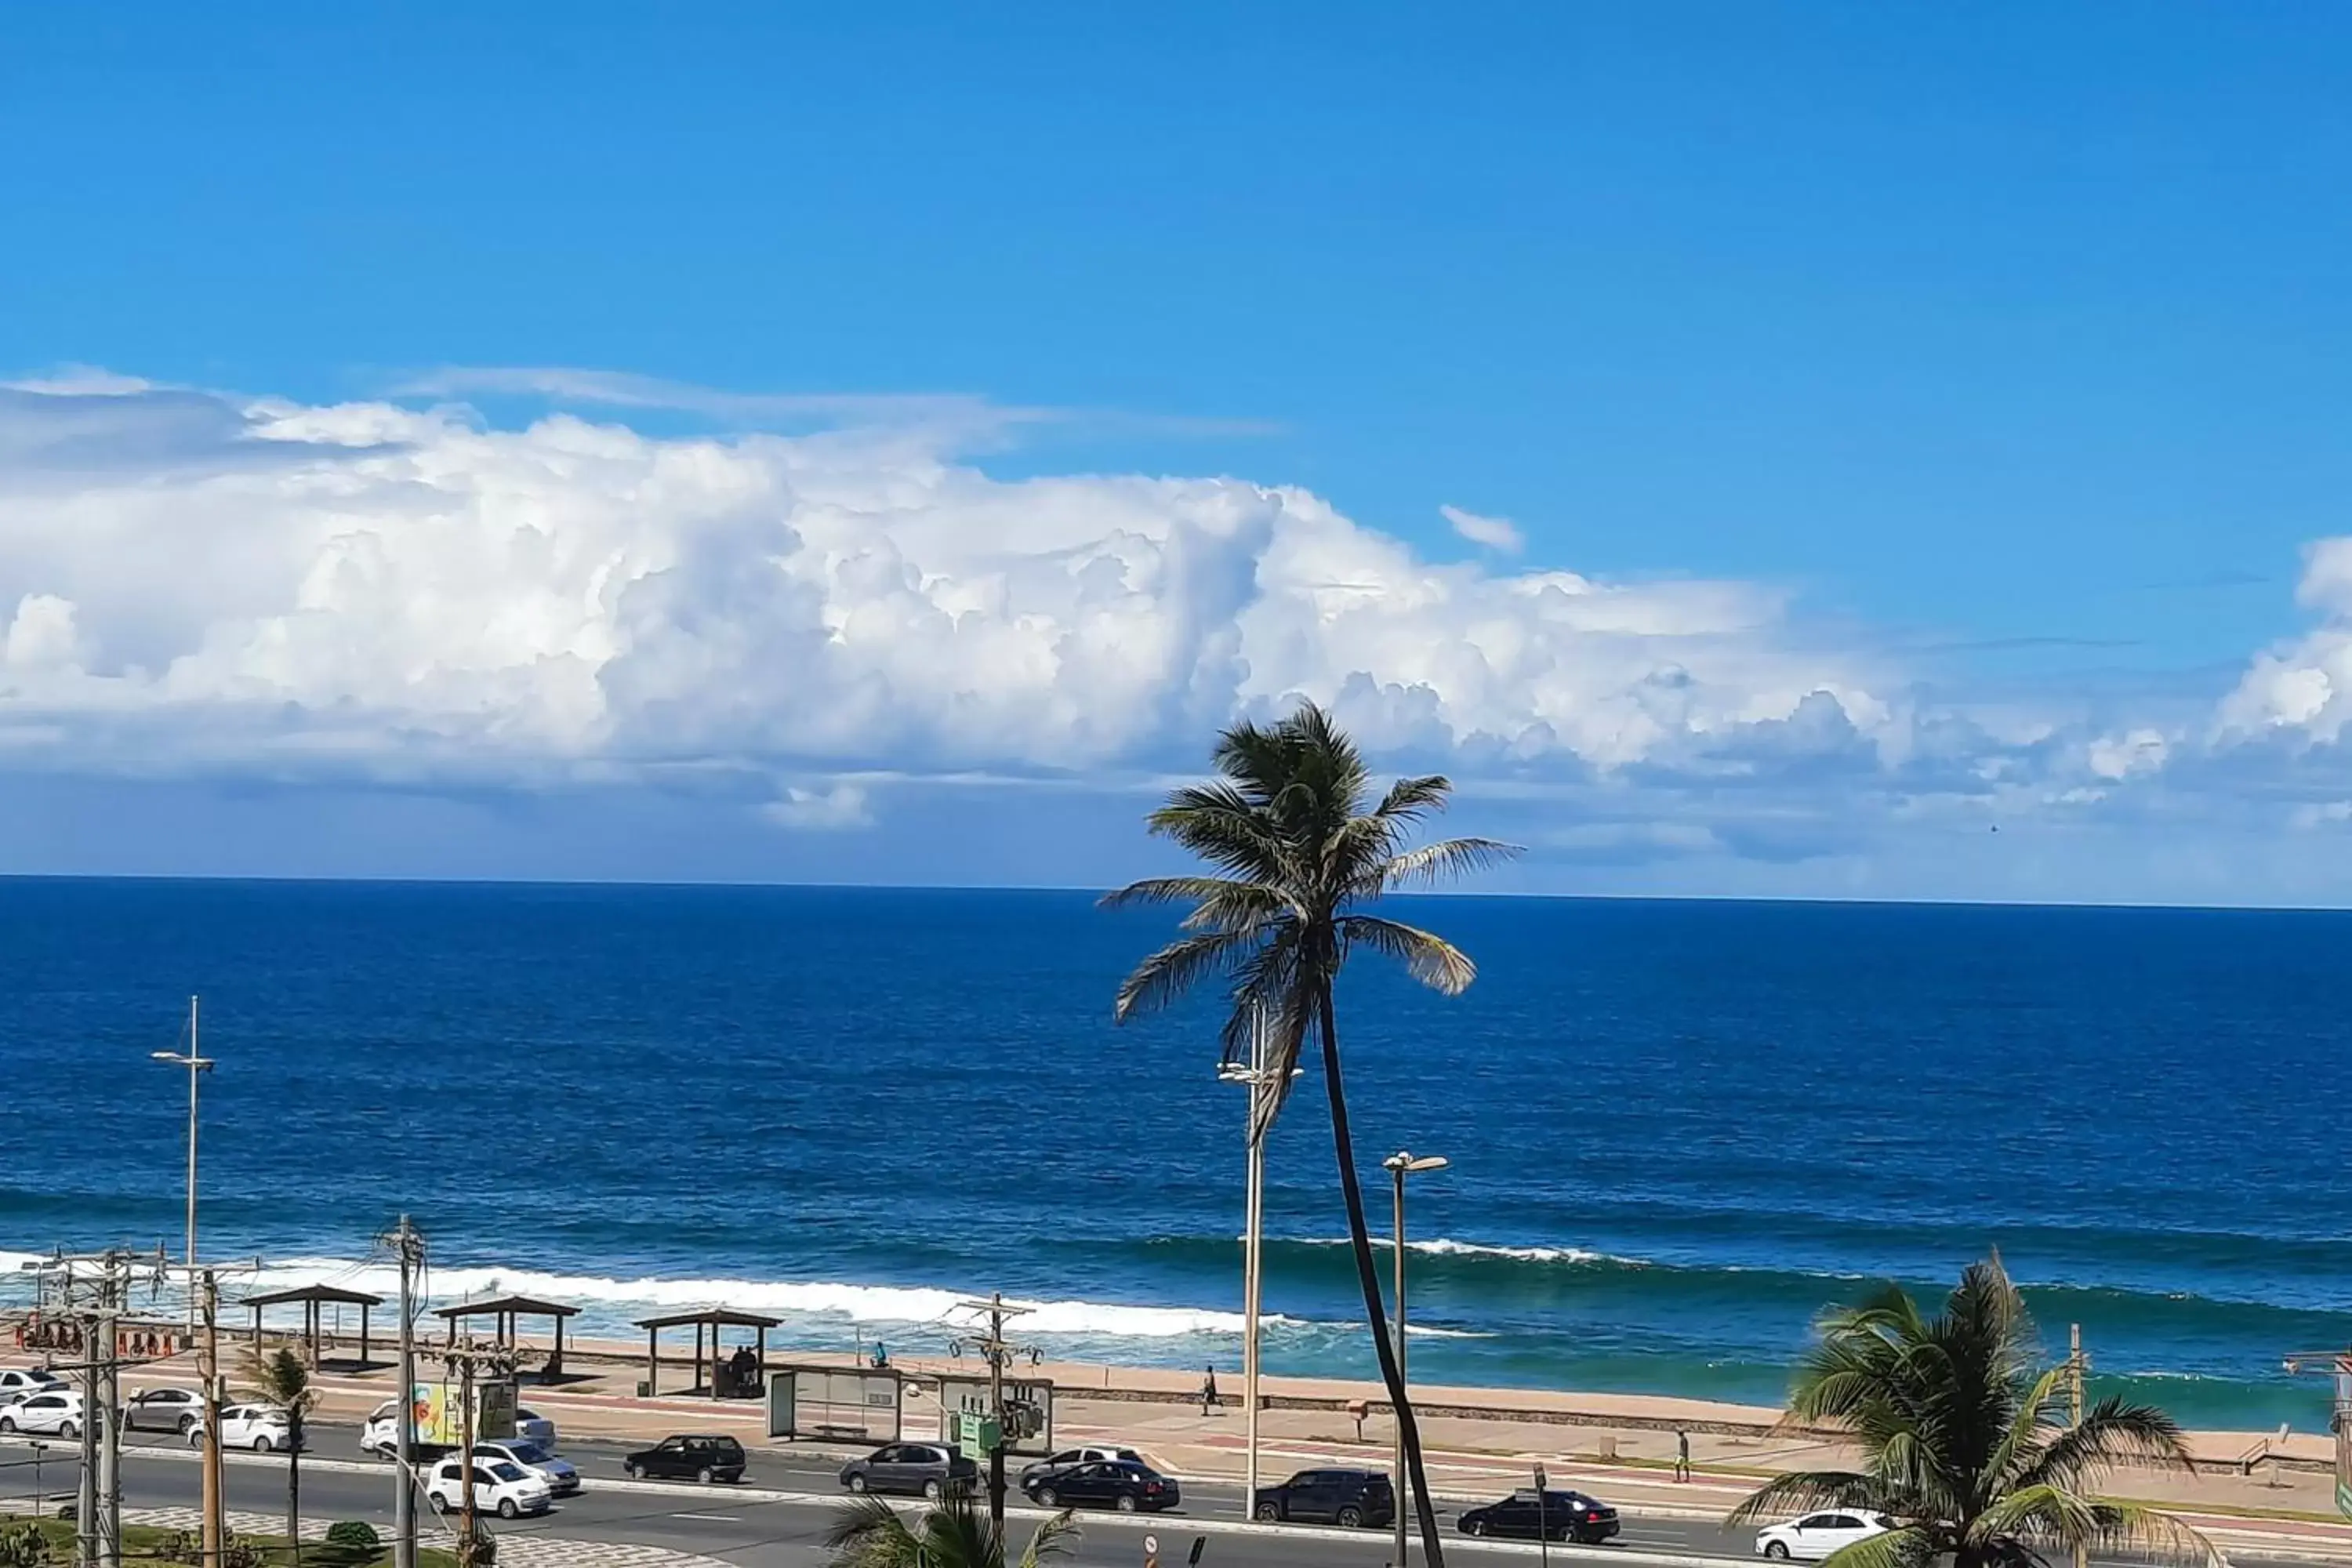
{"points": [[1676, 1131]]}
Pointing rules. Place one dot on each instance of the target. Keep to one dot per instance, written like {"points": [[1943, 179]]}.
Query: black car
{"points": [[1126, 1484], [1336, 1497], [1562, 1516], [685, 1458], [933, 1470]]}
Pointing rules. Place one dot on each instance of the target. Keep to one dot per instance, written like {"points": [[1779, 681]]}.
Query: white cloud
{"points": [[844, 806], [365, 586], [2300, 687], [1493, 532], [2322, 814]]}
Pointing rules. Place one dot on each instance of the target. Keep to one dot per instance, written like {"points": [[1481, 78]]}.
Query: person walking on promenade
{"points": [[1209, 1391], [1682, 1455]]}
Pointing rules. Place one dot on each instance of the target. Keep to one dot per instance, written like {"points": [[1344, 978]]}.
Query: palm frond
{"points": [[2054, 1516], [1055, 1536], [1430, 959], [1797, 1491], [867, 1532], [1222, 903], [1432, 864], [1908, 1546], [1175, 969], [2111, 1433], [1409, 799]]}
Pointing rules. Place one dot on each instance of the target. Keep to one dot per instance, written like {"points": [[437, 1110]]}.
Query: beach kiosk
{"points": [[725, 1382], [503, 1312], [314, 1300]]}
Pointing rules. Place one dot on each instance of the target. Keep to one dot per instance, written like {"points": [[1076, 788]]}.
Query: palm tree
{"points": [[951, 1533], [1968, 1446], [282, 1380], [1298, 850]]}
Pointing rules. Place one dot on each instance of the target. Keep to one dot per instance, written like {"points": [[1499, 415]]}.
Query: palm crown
{"points": [[1291, 827], [1969, 1448], [953, 1534]]}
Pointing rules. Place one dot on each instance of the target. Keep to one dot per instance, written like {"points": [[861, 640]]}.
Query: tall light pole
{"points": [[1259, 1081], [195, 1065], [1399, 1165]]}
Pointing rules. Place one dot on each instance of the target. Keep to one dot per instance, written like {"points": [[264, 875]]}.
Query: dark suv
{"points": [[683, 1458], [1347, 1498]]}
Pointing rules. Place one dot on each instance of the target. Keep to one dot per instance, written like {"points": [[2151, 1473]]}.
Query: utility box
{"points": [[1028, 1411]]}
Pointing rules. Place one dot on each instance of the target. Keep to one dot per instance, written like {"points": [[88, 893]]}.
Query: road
{"points": [[747, 1527]]}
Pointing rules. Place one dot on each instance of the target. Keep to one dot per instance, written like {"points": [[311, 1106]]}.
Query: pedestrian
{"points": [[1209, 1391], [1682, 1455]]}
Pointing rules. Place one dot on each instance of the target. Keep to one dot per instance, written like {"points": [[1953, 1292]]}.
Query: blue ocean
{"points": [[1676, 1130]]}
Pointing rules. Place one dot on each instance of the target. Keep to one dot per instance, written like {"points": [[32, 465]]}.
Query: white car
{"points": [[560, 1477], [53, 1411], [1814, 1536], [500, 1487], [22, 1382], [163, 1410], [260, 1428], [380, 1435]]}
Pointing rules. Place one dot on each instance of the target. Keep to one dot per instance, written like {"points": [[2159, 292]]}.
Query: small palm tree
{"points": [[951, 1533], [1969, 1449], [1291, 827], [281, 1379]]}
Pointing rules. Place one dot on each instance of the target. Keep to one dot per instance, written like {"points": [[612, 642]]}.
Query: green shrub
{"points": [[22, 1546], [357, 1534]]}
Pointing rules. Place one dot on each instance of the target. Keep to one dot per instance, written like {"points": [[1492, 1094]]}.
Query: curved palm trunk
{"points": [[1360, 1238], [294, 1486]]}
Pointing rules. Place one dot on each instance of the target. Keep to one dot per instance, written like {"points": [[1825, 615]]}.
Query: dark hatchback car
{"points": [[1347, 1498], [686, 1458], [1125, 1485], [930, 1469], [1562, 1516]]}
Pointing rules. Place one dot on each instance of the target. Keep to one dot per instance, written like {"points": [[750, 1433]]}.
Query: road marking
{"points": [[712, 1517]]}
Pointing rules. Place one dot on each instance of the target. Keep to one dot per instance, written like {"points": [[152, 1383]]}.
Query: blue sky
{"points": [[1996, 355]]}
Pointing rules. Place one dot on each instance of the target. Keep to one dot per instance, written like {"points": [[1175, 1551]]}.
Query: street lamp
{"points": [[1259, 1080], [195, 1065], [1399, 1165]]}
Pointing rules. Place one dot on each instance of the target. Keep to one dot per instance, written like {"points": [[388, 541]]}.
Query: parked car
{"points": [[1813, 1536], [1084, 1453], [51, 1412], [1558, 1515], [560, 1477], [685, 1458], [163, 1410], [1347, 1498], [260, 1428], [1129, 1486], [499, 1487], [530, 1426], [932, 1469], [380, 1434], [22, 1382]]}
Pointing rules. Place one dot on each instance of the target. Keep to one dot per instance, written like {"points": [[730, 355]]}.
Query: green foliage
{"points": [[22, 1546], [1970, 1446], [353, 1532], [951, 1533]]}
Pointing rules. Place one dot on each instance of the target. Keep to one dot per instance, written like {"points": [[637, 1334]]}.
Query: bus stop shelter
{"points": [[314, 1300], [502, 1312], [713, 1319]]}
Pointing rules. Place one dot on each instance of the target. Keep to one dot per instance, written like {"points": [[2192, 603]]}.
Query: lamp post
{"points": [[1258, 1081], [195, 1066], [1399, 1165]]}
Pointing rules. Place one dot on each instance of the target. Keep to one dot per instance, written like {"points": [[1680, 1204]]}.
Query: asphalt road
{"points": [[723, 1520]]}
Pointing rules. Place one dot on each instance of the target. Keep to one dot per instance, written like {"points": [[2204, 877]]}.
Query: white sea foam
{"points": [[1446, 1247], [863, 1304]]}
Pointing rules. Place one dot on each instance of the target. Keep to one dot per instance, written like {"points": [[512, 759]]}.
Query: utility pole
{"points": [[90, 1292], [93, 1404], [410, 1247], [999, 1350], [108, 1415], [197, 1065], [467, 1361], [2074, 1392], [216, 1531]]}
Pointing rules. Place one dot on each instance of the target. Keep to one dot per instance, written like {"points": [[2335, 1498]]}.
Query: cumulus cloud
{"points": [[202, 579], [1493, 532], [843, 806], [2302, 689]]}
